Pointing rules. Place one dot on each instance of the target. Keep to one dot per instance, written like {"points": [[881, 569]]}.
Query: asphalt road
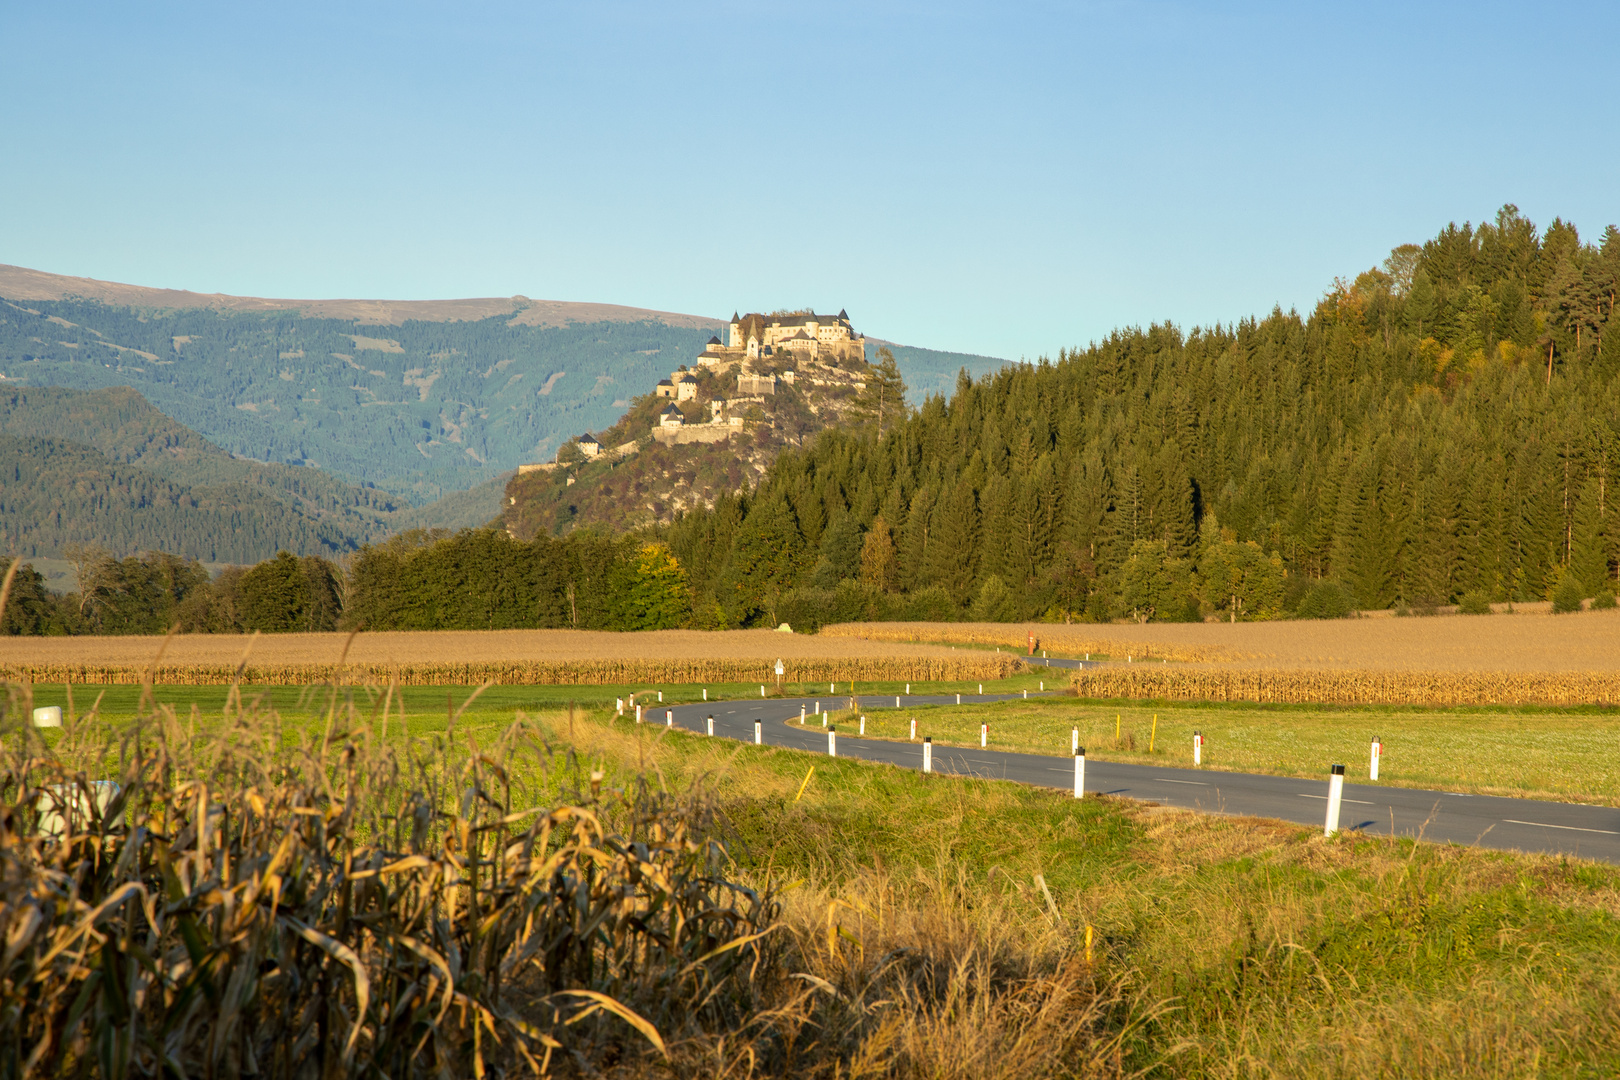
{"points": [[1591, 832]]}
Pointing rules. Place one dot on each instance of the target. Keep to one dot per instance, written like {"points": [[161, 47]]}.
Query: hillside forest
{"points": [[1440, 429]]}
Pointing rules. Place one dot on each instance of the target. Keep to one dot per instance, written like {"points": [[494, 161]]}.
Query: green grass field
{"points": [[426, 702], [1570, 755]]}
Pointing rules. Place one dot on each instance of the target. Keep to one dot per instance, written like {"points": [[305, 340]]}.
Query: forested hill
{"points": [[1443, 425], [105, 468], [419, 399]]}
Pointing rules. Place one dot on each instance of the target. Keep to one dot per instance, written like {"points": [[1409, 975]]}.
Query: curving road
{"points": [[1591, 832]]}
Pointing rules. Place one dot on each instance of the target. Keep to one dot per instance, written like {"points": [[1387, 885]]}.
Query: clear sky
{"points": [[1004, 178]]}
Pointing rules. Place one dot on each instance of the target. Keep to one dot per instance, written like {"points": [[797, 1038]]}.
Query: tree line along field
{"points": [[1002, 931]]}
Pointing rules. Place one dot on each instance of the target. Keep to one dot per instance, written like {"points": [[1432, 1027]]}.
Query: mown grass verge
{"points": [[1534, 752]]}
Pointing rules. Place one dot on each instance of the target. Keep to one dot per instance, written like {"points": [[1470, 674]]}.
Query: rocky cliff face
{"points": [[645, 477]]}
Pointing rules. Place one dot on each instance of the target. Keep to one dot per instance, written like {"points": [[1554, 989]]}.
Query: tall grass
{"points": [[339, 904]]}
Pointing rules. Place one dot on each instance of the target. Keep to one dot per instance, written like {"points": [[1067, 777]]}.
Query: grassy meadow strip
{"points": [[1533, 753], [1304, 686], [427, 705]]}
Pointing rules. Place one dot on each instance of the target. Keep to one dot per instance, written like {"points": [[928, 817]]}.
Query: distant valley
{"points": [[418, 399]]}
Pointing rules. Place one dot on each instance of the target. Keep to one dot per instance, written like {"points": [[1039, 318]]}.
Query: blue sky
{"points": [[1000, 178]]}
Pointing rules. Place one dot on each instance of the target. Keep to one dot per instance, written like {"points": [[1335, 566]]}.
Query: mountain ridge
{"points": [[25, 283]]}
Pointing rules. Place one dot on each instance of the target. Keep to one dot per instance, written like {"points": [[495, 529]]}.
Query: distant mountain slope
{"points": [[58, 493], [21, 283], [420, 398], [420, 409], [931, 372], [105, 467]]}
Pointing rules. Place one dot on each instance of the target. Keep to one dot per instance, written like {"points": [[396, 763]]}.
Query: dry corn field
{"points": [[507, 657], [1524, 641], [1299, 686]]}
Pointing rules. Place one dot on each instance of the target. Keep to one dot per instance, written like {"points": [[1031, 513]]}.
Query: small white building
{"points": [[671, 417], [685, 387], [589, 446]]}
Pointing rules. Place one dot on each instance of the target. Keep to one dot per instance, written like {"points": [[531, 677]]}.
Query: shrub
{"points": [[1568, 596], [1603, 601], [1474, 602], [1326, 600]]}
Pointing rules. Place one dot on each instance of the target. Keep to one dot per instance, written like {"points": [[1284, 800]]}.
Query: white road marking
{"points": [[1167, 780], [1358, 802], [1571, 828]]}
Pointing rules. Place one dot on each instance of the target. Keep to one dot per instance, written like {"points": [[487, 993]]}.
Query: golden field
{"points": [[1523, 658], [1180, 682], [1524, 641], [513, 657]]}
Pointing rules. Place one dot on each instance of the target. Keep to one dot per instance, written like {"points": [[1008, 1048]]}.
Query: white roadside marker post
{"points": [[832, 688], [913, 729], [984, 735], [669, 717], [620, 705], [908, 688], [1080, 772], [824, 719], [801, 715], [1377, 752], [1198, 748], [705, 693], [1335, 797], [758, 734], [832, 741], [897, 702], [1074, 741], [981, 685], [818, 708], [863, 724], [959, 699], [1043, 685], [761, 689], [1026, 693], [928, 754], [638, 714], [711, 723], [660, 697]]}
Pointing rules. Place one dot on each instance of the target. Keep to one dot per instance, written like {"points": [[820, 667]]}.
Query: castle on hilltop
{"points": [[816, 337], [834, 352]]}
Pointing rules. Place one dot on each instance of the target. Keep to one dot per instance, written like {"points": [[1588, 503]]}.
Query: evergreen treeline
{"points": [[476, 579], [1441, 429], [1438, 429]]}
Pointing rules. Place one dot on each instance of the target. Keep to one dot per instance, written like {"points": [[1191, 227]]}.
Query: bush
{"points": [[1603, 601], [1326, 600], [932, 604], [1568, 596], [1474, 602]]}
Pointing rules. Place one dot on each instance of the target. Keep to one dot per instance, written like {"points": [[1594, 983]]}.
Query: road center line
{"points": [[1571, 828], [1358, 802], [1167, 780]]}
